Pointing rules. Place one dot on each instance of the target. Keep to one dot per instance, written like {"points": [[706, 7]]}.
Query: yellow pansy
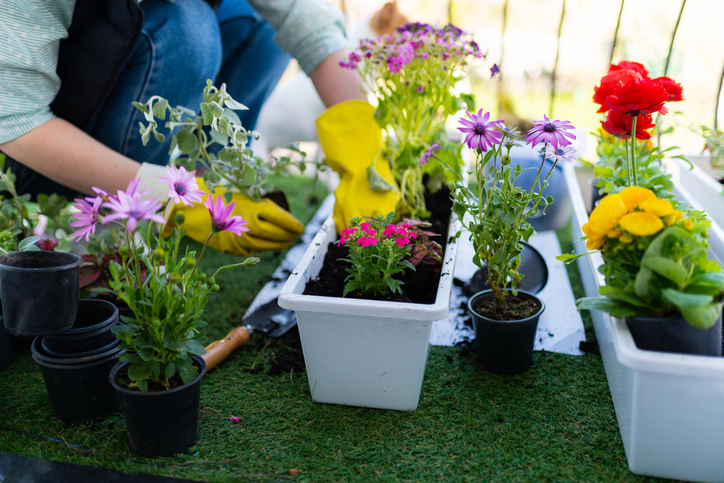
{"points": [[614, 234], [688, 224], [657, 207], [641, 223], [634, 195], [594, 243], [605, 216]]}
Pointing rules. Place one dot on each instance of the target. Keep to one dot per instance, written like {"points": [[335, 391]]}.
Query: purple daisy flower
{"points": [[430, 151], [480, 133], [561, 153], [132, 209], [394, 64], [184, 188], [553, 132], [221, 219], [88, 217]]}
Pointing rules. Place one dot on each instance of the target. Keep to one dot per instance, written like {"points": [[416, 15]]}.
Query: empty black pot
{"points": [[91, 329], [79, 390], [161, 423], [674, 334], [504, 346], [74, 357], [39, 291]]}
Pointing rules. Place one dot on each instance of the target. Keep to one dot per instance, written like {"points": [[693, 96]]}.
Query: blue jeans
{"points": [[183, 44]]}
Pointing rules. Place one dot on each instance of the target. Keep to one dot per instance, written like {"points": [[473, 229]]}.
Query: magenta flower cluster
{"points": [[365, 235], [414, 41], [129, 207]]}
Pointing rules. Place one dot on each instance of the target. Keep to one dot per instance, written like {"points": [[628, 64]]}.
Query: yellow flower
{"points": [[634, 195], [688, 224], [605, 216], [641, 224], [657, 207], [594, 243], [679, 214], [614, 234], [625, 239]]}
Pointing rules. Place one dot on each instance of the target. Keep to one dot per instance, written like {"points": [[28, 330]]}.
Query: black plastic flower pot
{"points": [[39, 291], [162, 423], [79, 390], [75, 357], [6, 347], [91, 329], [504, 346], [674, 334], [596, 196]]}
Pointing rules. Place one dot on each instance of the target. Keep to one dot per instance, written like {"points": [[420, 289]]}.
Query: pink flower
{"points": [[346, 235], [39, 229], [367, 228], [479, 132], [234, 419], [132, 209], [184, 188], [405, 52], [429, 153], [133, 188], [221, 219], [402, 241], [88, 218], [366, 241], [548, 131], [390, 230], [394, 64]]}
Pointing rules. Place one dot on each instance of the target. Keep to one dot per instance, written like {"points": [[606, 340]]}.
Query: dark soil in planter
{"points": [[515, 308], [420, 285], [123, 380]]}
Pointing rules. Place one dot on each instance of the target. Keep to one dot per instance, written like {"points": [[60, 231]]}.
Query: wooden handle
{"points": [[219, 350]]}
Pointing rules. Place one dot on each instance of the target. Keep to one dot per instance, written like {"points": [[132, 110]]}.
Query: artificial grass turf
{"points": [[555, 422]]}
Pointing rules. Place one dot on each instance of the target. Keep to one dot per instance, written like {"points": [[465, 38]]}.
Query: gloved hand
{"points": [[352, 140], [270, 226]]}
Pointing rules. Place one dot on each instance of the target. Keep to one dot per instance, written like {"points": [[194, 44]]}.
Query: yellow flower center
{"points": [[657, 207], [605, 216], [634, 195], [641, 223]]}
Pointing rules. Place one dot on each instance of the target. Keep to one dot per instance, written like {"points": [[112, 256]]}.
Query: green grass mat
{"points": [[553, 423]]}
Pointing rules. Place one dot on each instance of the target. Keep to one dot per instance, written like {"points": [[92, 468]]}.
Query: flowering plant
{"points": [[629, 97], [655, 260], [495, 210], [216, 140], [161, 283], [380, 251], [412, 74]]}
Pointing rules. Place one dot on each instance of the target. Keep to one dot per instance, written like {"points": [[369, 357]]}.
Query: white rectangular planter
{"points": [[364, 352], [668, 406]]}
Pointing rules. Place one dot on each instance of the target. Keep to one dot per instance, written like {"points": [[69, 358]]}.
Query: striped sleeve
{"points": [[30, 33], [308, 30]]}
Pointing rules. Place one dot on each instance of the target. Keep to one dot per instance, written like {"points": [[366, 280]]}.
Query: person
{"points": [[69, 70]]}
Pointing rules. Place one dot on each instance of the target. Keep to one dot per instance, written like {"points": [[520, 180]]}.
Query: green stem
{"points": [[634, 168]]}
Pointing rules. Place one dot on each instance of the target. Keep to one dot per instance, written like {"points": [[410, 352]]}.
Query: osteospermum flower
{"points": [[221, 219], [658, 207], [184, 188], [548, 131], [87, 219], [606, 215], [641, 223], [480, 133], [132, 209], [562, 153], [430, 152], [634, 195]]}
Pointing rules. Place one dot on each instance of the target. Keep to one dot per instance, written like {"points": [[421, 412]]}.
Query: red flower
{"points": [[639, 96], [610, 82], [619, 124], [672, 87], [626, 65]]}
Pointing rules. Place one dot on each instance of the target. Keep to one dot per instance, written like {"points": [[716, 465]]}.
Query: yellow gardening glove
{"points": [[270, 226], [352, 141]]}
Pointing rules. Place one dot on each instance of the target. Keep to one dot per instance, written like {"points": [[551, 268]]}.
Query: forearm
{"points": [[335, 84], [62, 152]]}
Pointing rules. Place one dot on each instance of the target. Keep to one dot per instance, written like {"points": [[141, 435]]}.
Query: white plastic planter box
{"points": [[364, 352], [668, 406]]}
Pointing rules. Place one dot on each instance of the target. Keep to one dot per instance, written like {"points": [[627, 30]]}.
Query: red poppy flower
{"points": [[639, 96], [619, 124], [609, 83], [674, 89], [626, 65]]}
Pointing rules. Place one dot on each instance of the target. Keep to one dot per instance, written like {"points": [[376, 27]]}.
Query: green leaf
{"points": [[143, 385], [206, 115], [698, 310], [26, 243], [170, 370], [159, 109], [232, 104], [248, 176], [186, 140], [138, 372], [603, 304], [668, 268], [195, 348], [377, 182], [216, 109]]}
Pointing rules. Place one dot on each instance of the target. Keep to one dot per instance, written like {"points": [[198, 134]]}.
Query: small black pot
{"points": [[79, 389], [674, 334], [504, 346], [161, 423], [6, 347], [595, 195], [39, 291], [74, 357], [91, 329]]}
